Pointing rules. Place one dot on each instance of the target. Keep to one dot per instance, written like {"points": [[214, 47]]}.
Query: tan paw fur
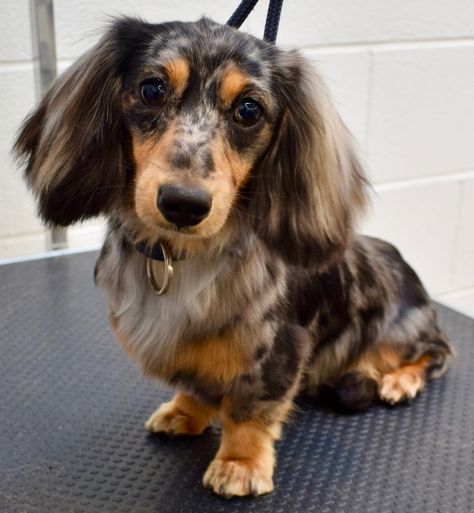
{"points": [[405, 383], [238, 477], [170, 418]]}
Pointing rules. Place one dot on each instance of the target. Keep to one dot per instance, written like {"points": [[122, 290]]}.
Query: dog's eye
{"points": [[248, 112], [153, 91]]}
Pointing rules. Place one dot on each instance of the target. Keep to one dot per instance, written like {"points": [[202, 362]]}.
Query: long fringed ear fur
{"points": [[74, 144], [310, 186]]}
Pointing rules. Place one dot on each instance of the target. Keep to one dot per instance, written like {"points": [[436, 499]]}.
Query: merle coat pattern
{"points": [[272, 292]]}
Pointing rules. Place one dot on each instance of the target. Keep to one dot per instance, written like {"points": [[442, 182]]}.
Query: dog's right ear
{"points": [[74, 146]]}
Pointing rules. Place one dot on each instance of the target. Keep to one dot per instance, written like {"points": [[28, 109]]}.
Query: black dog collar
{"points": [[154, 252]]}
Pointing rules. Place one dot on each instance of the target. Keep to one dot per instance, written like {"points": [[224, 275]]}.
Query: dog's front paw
{"points": [[238, 477], [169, 418]]}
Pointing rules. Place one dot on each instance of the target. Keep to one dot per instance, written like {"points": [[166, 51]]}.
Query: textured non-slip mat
{"points": [[72, 408]]}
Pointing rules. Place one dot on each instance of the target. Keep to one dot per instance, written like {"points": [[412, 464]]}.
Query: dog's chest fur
{"points": [[204, 326]]}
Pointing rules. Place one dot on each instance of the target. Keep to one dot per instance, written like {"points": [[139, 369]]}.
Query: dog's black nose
{"points": [[183, 206]]}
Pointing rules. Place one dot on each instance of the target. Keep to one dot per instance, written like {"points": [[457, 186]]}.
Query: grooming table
{"points": [[72, 408]]}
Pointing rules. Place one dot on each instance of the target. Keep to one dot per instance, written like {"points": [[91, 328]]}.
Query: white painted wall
{"points": [[401, 73]]}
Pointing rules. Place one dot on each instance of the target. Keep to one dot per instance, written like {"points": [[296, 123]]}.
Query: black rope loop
{"points": [[271, 24]]}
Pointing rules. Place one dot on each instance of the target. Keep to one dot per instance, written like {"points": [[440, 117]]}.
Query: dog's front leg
{"points": [[245, 460], [183, 415], [252, 414]]}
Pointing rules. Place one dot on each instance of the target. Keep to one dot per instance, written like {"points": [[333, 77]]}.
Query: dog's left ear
{"points": [[310, 186], [73, 145]]}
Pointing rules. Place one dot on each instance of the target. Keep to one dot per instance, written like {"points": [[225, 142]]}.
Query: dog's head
{"points": [[187, 130]]}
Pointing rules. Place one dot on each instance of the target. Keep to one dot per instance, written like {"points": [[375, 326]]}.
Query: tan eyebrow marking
{"points": [[177, 71], [233, 83]]}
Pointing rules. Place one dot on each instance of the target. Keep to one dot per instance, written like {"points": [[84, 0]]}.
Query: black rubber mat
{"points": [[72, 408]]}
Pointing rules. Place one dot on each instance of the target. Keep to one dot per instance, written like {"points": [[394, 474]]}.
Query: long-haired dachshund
{"points": [[223, 157]]}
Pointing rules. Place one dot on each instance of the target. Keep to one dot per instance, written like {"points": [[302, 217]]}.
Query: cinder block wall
{"points": [[20, 232], [402, 76]]}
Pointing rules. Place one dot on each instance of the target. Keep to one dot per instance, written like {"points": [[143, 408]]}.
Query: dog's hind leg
{"points": [[405, 382], [392, 371], [424, 360]]}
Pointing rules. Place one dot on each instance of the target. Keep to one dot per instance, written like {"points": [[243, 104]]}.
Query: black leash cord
{"points": [[271, 24], [273, 20], [240, 14]]}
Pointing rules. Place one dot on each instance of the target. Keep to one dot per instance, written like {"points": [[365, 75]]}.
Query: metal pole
{"points": [[42, 28]]}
